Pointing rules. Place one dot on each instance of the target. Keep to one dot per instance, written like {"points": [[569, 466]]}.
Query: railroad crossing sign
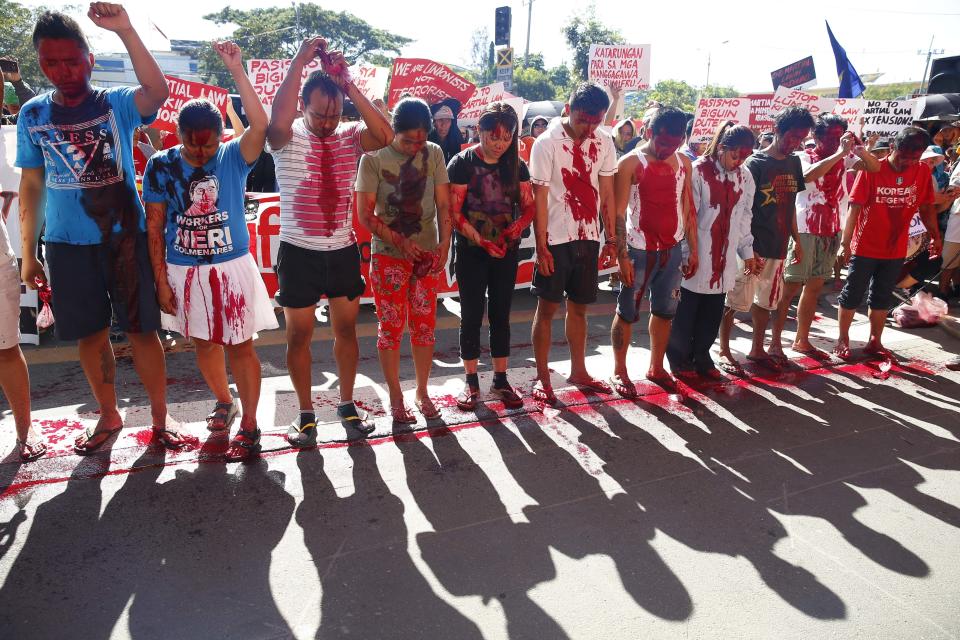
{"points": [[504, 57]]}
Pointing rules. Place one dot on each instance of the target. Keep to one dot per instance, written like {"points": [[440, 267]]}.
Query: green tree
{"points": [[533, 84], [583, 30], [16, 29], [674, 93], [272, 33], [712, 91], [891, 91]]}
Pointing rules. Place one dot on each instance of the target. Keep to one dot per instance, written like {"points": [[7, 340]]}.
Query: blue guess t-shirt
{"points": [[205, 215], [87, 155]]}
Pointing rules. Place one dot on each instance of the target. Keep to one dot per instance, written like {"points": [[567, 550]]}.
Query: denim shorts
{"points": [[657, 272]]}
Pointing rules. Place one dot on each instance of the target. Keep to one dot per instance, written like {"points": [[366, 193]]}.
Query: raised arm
{"points": [[816, 171], [153, 90], [31, 219], [284, 110], [251, 140], [378, 133]]}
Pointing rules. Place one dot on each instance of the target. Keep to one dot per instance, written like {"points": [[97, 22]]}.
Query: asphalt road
{"points": [[822, 502]]}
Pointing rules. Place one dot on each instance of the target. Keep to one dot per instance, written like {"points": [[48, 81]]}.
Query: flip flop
{"points": [[170, 438], [593, 385], [402, 415], [769, 362], [302, 434], [544, 394], [30, 451], [427, 408], [880, 352], [813, 352], [86, 448], [664, 380], [625, 388], [350, 417], [508, 396], [244, 446], [468, 398], [730, 366], [842, 351]]}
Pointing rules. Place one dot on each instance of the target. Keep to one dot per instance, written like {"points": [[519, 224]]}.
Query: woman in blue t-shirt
{"points": [[208, 284]]}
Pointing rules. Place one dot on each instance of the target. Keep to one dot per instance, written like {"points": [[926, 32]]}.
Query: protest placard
{"points": [[625, 64], [483, 96], [798, 75], [713, 111], [267, 75], [760, 119], [851, 110], [181, 91], [887, 118], [785, 97], [427, 79]]}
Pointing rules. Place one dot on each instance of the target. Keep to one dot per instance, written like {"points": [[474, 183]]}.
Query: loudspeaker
{"points": [[945, 75]]}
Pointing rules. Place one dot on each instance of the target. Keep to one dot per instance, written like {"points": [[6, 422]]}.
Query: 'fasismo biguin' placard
{"points": [[713, 111]]}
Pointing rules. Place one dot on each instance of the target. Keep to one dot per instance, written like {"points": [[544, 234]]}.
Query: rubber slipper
{"points": [[813, 352], [302, 434], [508, 396], [842, 351], [544, 394], [596, 386], [244, 446], [86, 448], [351, 418], [402, 415], [468, 398], [880, 352], [767, 362], [170, 438], [625, 388], [427, 408], [729, 366], [30, 451]]}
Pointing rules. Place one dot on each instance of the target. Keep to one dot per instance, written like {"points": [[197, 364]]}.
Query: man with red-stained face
{"points": [[836, 151], [778, 175], [874, 242], [571, 167], [654, 214]]}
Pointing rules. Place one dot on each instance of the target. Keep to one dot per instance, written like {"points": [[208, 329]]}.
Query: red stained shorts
{"points": [[398, 294]]}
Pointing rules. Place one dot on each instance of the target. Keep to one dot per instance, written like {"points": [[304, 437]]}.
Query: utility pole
{"points": [[296, 10], [526, 54], [930, 52]]}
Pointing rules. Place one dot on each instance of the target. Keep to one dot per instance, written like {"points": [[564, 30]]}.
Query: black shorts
{"points": [[574, 273], [306, 275], [90, 282], [879, 274]]}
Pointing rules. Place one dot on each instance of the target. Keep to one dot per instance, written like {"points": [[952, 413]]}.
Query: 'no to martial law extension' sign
{"points": [[267, 75], [427, 79], [625, 64], [713, 111], [182, 91], [884, 118], [798, 75]]}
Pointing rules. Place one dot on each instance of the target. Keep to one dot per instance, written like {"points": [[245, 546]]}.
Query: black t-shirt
{"points": [[774, 203], [487, 206]]}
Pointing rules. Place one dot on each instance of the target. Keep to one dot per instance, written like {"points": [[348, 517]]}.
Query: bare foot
{"points": [[808, 349], [874, 348], [842, 350], [776, 350], [588, 382], [659, 375]]}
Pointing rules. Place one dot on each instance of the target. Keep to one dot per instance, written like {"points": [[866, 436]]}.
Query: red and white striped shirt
{"points": [[316, 177]]}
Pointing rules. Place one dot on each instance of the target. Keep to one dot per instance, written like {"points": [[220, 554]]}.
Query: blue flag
{"points": [[851, 86]]}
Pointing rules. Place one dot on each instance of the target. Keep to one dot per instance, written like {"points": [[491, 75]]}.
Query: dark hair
{"points": [[689, 128], [200, 114], [911, 139], [321, 81], [730, 136], [55, 25], [669, 119], [825, 121], [411, 113], [500, 114], [793, 118], [589, 97]]}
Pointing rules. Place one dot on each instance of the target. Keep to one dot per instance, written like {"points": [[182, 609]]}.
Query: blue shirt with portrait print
{"points": [[205, 214], [86, 152]]}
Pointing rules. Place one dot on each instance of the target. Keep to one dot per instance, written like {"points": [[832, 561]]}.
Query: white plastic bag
{"points": [[930, 309]]}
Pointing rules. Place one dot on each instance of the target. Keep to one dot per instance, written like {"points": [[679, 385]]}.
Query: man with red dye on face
{"points": [[75, 147], [876, 233], [572, 167], [652, 189], [818, 223], [778, 176], [316, 163]]}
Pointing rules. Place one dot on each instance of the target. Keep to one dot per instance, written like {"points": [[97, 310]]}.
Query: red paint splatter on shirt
{"points": [[823, 218], [723, 195], [581, 196], [659, 209]]}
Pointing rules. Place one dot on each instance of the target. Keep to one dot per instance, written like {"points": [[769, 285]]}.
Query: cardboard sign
{"points": [[625, 64], [181, 91], [483, 96], [785, 97], [884, 118], [798, 75], [851, 110], [427, 79], [760, 119], [267, 75], [711, 112]]}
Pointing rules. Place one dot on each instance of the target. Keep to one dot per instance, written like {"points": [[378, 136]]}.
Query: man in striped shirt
{"points": [[316, 159]]}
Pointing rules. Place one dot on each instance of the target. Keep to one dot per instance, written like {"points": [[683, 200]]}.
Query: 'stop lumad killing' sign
{"points": [[625, 64], [798, 74]]}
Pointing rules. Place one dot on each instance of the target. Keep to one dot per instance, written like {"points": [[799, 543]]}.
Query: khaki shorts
{"points": [[819, 256], [763, 290], [9, 303], [950, 252]]}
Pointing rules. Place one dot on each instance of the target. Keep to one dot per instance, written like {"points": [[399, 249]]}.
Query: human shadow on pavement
{"points": [[205, 572], [574, 516], [370, 586], [700, 509], [475, 548], [71, 577]]}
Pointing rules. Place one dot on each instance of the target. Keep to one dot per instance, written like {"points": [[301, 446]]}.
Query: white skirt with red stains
{"points": [[224, 303]]}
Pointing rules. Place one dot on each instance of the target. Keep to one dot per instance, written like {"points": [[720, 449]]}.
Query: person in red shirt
{"points": [[875, 236]]}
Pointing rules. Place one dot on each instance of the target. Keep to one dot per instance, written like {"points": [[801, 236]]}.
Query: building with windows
{"points": [[115, 70]]}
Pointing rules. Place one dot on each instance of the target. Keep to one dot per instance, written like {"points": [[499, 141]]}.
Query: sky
{"points": [[744, 41]]}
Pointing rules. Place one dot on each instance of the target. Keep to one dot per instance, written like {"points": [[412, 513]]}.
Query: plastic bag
{"points": [[45, 317], [923, 311]]}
